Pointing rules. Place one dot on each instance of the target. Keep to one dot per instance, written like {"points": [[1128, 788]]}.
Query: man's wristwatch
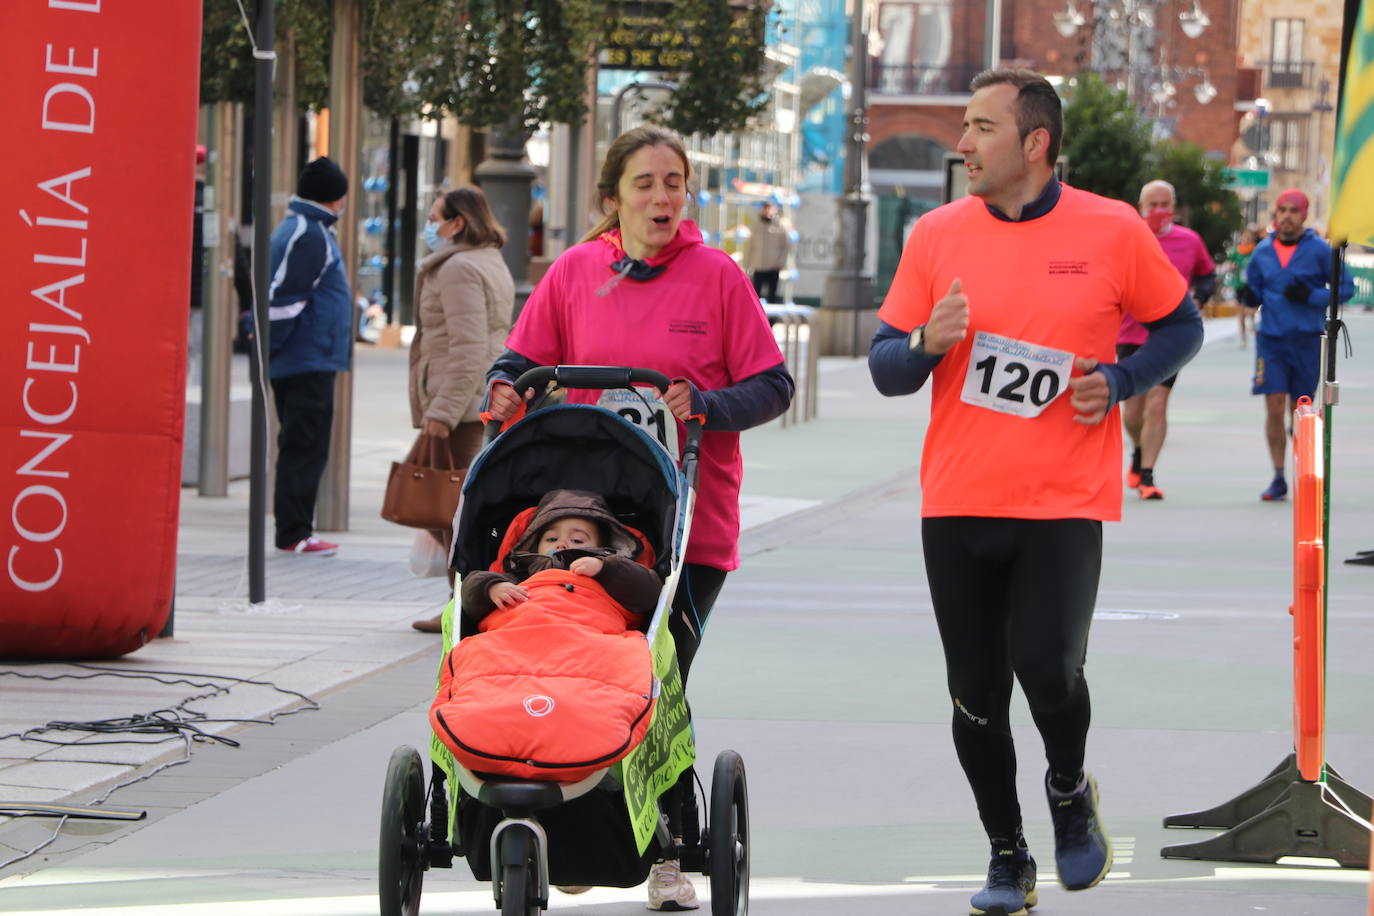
{"points": [[916, 341]]}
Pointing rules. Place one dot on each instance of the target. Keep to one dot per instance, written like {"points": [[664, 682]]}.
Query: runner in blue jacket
{"points": [[1289, 277]]}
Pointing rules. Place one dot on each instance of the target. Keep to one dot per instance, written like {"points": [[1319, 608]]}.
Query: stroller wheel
{"points": [[519, 873], [728, 839], [401, 860]]}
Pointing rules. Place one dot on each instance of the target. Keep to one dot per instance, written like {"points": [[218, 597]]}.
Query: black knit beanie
{"points": [[322, 181]]}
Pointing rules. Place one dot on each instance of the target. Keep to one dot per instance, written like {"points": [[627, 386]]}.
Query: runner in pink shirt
{"points": [[1145, 416], [643, 290]]}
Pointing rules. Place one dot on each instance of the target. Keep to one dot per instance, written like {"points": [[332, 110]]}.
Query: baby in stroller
{"points": [[572, 530], [556, 684]]}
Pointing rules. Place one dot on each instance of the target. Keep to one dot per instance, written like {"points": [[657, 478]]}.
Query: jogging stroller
{"points": [[608, 828]]}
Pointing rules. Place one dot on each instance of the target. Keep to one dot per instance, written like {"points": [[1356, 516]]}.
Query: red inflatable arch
{"points": [[99, 107]]}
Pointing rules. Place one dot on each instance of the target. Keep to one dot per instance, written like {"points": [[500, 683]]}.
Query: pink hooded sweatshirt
{"points": [[698, 319]]}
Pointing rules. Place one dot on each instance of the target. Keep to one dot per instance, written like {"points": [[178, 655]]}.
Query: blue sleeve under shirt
{"points": [[1174, 339]]}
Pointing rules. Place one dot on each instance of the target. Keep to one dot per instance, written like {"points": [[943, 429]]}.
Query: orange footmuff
{"points": [[553, 688]]}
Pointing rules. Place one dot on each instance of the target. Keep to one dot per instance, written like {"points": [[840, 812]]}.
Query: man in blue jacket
{"points": [[311, 312], [1289, 277]]}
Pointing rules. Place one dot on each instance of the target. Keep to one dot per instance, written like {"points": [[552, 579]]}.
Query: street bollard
{"points": [[799, 355]]}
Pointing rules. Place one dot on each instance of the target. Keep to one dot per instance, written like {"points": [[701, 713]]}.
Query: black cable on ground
{"points": [[178, 721]]}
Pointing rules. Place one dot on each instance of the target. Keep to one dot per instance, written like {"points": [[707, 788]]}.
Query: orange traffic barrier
{"points": [[1309, 575]]}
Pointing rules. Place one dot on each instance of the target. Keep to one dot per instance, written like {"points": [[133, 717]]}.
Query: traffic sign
{"points": [[1247, 179]]}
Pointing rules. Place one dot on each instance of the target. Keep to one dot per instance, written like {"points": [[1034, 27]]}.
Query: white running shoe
{"points": [[669, 888]]}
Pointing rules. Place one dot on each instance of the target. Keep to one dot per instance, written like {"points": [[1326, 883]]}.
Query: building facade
{"points": [[1176, 58], [1290, 52]]}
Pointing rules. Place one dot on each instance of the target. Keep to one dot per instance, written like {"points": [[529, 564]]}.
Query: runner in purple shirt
{"points": [[1145, 416]]}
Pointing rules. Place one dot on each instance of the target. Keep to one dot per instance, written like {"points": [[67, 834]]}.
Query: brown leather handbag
{"points": [[423, 490]]}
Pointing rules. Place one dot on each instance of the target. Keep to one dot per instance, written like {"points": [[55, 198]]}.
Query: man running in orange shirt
{"points": [[1009, 301]]}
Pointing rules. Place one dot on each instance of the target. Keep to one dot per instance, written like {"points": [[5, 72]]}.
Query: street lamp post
{"points": [[848, 289], [1261, 157], [1123, 31], [1322, 107], [263, 57], [505, 177]]}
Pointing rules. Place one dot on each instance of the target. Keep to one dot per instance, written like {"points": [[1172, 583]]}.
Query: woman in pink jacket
{"points": [[641, 289]]}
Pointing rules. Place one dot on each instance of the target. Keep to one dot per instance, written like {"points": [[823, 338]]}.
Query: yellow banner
{"points": [[1352, 179]]}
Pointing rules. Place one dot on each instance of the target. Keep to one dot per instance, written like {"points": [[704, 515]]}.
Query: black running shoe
{"points": [[1010, 888], [1082, 851], [1277, 490]]}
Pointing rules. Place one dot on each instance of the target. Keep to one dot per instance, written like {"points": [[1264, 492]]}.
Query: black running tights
{"points": [[696, 594], [1013, 597]]}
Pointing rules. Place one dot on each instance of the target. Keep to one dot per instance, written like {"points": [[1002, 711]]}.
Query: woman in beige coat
{"points": [[464, 297]]}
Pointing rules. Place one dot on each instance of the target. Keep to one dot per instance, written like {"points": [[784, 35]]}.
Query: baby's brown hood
{"points": [[558, 504]]}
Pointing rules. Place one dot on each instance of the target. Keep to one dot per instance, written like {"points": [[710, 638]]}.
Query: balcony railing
{"points": [[919, 79], [1289, 74]]}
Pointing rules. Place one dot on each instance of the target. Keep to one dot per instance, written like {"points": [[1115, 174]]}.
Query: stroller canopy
{"points": [[570, 446]]}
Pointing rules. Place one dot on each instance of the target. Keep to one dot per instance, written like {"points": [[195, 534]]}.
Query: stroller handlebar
{"points": [[605, 377], [590, 377]]}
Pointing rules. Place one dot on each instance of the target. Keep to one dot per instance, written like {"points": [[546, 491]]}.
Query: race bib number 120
{"points": [[1015, 377]]}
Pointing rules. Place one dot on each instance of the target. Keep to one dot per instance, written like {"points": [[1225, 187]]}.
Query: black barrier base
{"points": [[1255, 799], [1307, 819]]}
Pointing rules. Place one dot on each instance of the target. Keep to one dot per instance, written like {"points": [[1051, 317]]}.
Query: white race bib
{"points": [[1015, 377], [645, 409]]}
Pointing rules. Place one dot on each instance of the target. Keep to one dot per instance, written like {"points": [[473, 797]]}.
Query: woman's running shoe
{"points": [[669, 888]]}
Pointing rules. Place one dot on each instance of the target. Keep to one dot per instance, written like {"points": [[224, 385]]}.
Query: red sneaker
{"points": [[1132, 480], [312, 546], [1150, 491]]}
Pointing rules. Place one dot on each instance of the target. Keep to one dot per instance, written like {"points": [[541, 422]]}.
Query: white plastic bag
{"points": [[428, 559]]}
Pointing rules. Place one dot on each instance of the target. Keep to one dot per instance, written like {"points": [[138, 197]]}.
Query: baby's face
{"points": [[569, 532]]}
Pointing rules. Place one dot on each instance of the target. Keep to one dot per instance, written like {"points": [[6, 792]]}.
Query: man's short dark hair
{"points": [[1037, 104]]}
